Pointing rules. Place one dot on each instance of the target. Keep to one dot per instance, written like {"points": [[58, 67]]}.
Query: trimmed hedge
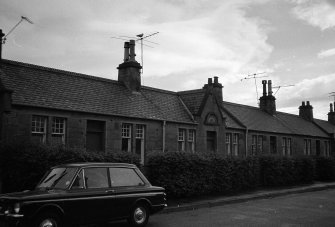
{"points": [[186, 175], [23, 164], [181, 174], [325, 169]]}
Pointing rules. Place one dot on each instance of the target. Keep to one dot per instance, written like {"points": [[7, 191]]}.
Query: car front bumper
{"points": [[11, 220]]}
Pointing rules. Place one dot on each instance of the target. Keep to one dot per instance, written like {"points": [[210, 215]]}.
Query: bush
{"points": [[325, 169], [23, 164], [286, 171], [185, 174]]}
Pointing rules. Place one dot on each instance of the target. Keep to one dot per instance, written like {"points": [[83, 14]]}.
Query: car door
{"points": [[127, 187], [91, 196]]}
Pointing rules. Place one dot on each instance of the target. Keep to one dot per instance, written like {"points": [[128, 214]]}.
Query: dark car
{"points": [[84, 193]]}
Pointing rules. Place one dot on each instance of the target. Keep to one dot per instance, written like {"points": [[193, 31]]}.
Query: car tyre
{"points": [[139, 215], [48, 220]]}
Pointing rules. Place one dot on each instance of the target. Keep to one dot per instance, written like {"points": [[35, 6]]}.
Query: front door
{"points": [[211, 141]]}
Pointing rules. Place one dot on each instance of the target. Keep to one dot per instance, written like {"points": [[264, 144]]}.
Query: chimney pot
{"points": [[308, 103], [216, 80], [1, 42], [269, 88], [210, 81], [132, 50], [126, 51], [303, 103], [264, 87], [331, 107]]}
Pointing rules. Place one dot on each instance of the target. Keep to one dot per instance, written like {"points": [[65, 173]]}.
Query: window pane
{"points": [[96, 178], [124, 177], [79, 181]]}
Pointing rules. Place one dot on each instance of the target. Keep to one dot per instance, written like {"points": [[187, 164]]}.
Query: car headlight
{"points": [[17, 207]]}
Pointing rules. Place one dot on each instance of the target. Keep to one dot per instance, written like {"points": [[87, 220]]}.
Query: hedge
{"points": [[181, 174], [187, 175], [23, 164]]}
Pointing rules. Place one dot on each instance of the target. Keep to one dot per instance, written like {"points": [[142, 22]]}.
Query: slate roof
{"points": [[327, 126], [255, 119], [192, 99], [57, 89]]}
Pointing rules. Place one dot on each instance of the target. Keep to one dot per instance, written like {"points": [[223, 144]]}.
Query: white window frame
{"points": [[126, 134], [235, 143], [39, 126], [181, 138], [307, 146], [260, 144], [191, 139], [59, 128], [254, 144], [228, 143]]}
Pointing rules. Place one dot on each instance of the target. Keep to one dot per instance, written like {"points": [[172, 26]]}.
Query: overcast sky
{"points": [[292, 41]]}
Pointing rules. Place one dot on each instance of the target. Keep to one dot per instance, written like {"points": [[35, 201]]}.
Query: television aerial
{"points": [[332, 94], [139, 38], [278, 87], [3, 41], [255, 77]]}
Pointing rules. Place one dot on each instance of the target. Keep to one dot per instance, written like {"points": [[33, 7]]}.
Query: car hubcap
{"points": [[48, 223], [140, 215]]}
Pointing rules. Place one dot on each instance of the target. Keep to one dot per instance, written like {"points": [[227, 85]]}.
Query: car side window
{"points": [[79, 181], [96, 178], [124, 177]]}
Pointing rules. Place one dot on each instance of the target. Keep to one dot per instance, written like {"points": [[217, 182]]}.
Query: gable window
{"points": [[126, 137], [58, 130], [307, 146], [95, 132], [191, 140], [228, 143], [39, 128], [181, 139], [235, 144]]}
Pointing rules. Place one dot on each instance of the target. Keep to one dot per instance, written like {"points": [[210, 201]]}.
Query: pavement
{"points": [[211, 201]]}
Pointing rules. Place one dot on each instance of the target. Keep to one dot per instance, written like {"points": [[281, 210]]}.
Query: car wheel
{"points": [[139, 216], [48, 220]]}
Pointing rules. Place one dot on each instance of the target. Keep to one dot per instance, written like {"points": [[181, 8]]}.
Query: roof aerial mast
{"points": [[3, 41], [255, 77], [291, 85]]}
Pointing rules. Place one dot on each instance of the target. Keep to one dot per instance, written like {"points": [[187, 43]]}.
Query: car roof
{"points": [[96, 164]]}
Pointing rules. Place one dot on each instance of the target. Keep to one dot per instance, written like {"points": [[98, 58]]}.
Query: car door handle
{"points": [[110, 191]]}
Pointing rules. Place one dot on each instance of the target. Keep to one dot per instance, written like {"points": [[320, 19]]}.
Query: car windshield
{"points": [[57, 178]]}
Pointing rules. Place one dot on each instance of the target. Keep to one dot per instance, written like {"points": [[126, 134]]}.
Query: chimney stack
{"points": [[267, 102], [331, 114], [214, 88], [129, 71], [306, 111]]}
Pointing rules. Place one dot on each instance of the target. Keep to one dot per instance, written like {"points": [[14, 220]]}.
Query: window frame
{"points": [[43, 122], [181, 139], [126, 134]]}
